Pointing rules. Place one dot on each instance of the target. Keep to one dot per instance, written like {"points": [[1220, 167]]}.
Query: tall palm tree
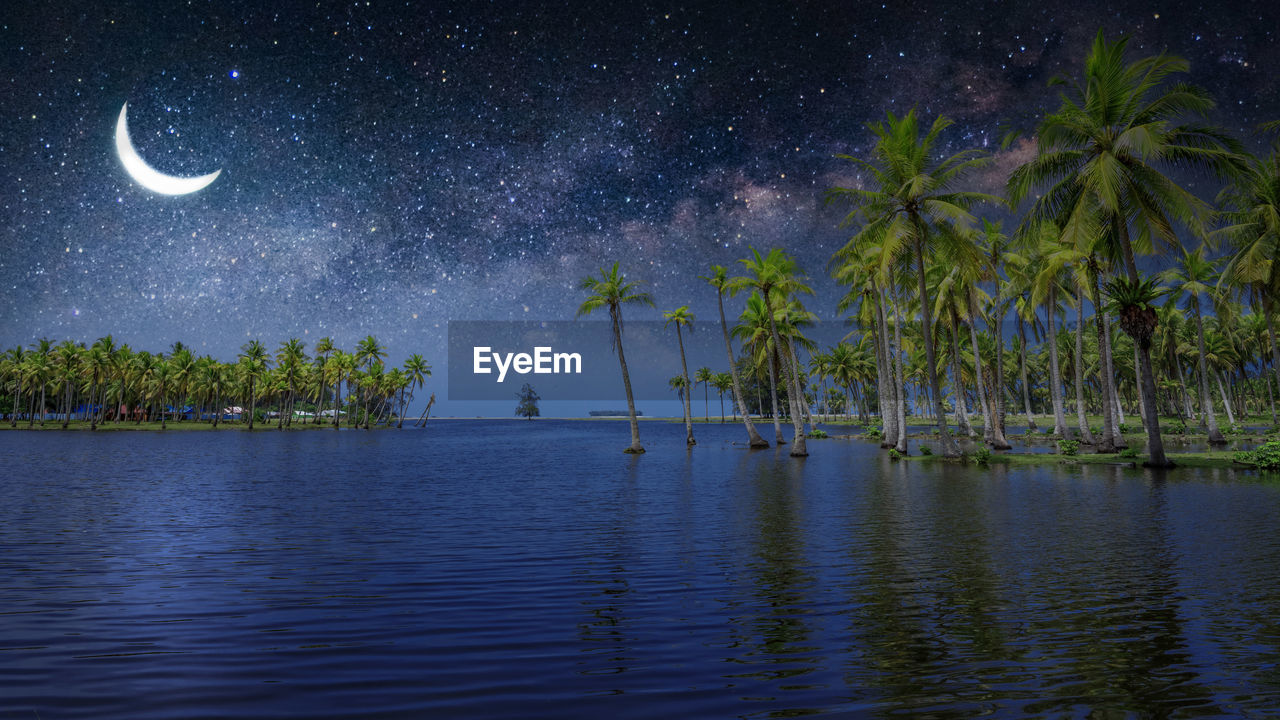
{"points": [[253, 366], [1251, 216], [1192, 278], [369, 352], [754, 329], [682, 317], [722, 382], [612, 290], [290, 358], [913, 204], [767, 275], [417, 370], [1047, 291], [324, 347], [704, 376], [719, 279], [1099, 158]]}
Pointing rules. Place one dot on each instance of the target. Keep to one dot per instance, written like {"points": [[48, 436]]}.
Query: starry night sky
{"points": [[388, 167]]}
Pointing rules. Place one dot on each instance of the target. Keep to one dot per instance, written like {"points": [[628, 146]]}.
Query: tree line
{"points": [[111, 382], [933, 282]]}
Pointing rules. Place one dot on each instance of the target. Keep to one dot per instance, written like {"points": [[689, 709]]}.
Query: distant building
{"points": [[611, 413]]}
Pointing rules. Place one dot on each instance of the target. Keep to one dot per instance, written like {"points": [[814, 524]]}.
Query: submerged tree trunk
{"points": [[753, 437], [884, 376], [772, 360], [684, 373], [798, 446], [635, 448]]}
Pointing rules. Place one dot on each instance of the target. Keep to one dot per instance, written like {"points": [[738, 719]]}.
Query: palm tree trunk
{"points": [[753, 437], [1055, 372], [900, 385], [1108, 443], [1226, 404], [885, 377], [1022, 369], [1275, 350], [1117, 410], [949, 448], [801, 400], [962, 407], [1147, 384], [1086, 435], [688, 411], [1206, 399], [798, 448], [999, 440], [635, 448], [772, 360]]}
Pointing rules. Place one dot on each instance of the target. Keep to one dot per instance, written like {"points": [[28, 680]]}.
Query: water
{"points": [[505, 569]]}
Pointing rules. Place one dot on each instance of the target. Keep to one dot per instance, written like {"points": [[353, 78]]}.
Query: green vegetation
{"points": [[107, 385], [527, 403]]}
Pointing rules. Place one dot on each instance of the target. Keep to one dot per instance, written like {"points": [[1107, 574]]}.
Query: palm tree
{"points": [[340, 368], [418, 370], [769, 274], [324, 346], [722, 382], [754, 329], [704, 376], [1192, 278], [682, 317], [913, 205], [1045, 291], [369, 352], [719, 279], [1100, 154], [612, 290], [253, 366], [1251, 215]]}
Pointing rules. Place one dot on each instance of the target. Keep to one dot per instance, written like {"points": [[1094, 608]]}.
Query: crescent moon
{"points": [[147, 176]]}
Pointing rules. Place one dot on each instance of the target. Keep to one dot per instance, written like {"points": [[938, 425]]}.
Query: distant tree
{"points": [[527, 407]]}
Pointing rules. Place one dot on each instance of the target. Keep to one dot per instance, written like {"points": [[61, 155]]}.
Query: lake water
{"points": [[507, 569]]}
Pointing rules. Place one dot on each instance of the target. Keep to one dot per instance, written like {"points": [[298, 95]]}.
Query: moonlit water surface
{"points": [[531, 569]]}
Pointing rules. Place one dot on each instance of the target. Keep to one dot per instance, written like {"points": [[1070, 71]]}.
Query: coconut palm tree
{"points": [[753, 329], [767, 275], [612, 290], [704, 376], [722, 382], [913, 204], [253, 366], [719, 279], [417, 370], [1192, 278], [682, 317], [1099, 161], [1251, 217]]}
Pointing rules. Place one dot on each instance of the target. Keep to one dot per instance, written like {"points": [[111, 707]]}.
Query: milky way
{"points": [[387, 168]]}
